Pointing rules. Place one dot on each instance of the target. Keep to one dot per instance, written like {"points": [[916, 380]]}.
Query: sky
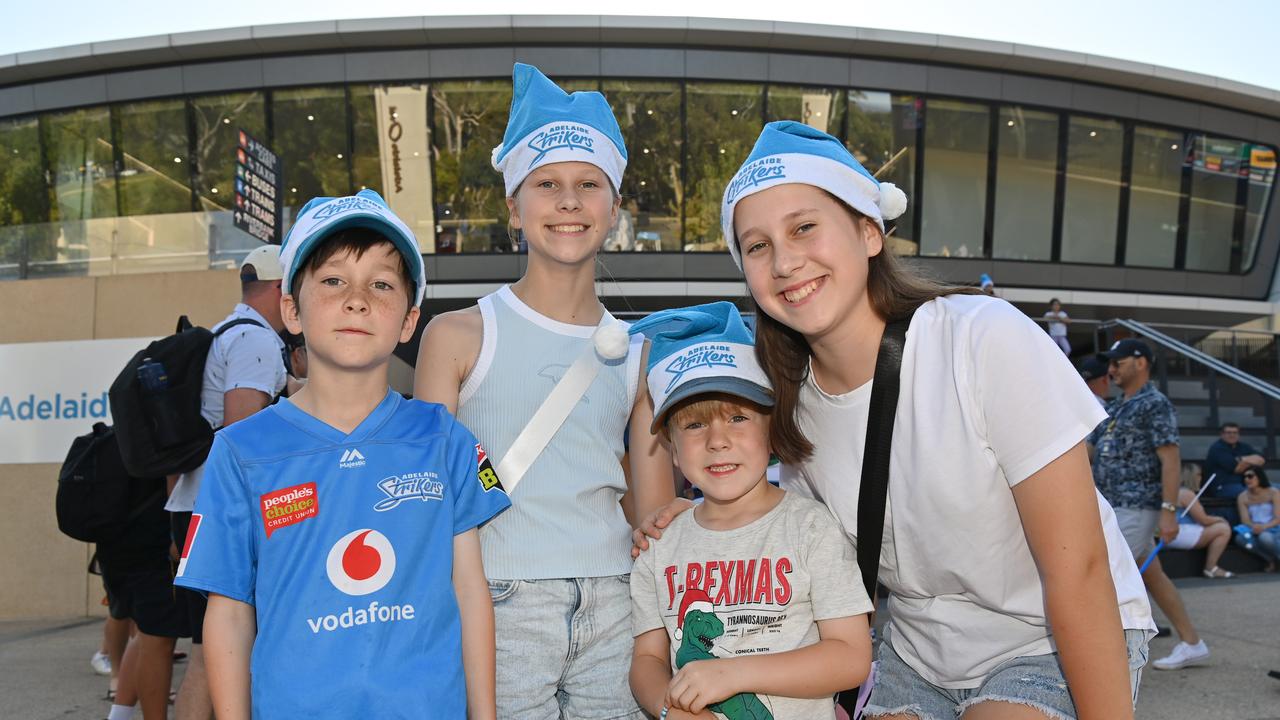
{"points": [[1225, 38]]}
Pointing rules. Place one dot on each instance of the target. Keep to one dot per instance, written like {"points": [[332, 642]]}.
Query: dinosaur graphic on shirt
{"points": [[699, 629]]}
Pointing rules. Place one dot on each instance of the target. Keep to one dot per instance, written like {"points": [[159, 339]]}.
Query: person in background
{"points": [[1228, 458], [1198, 529], [987, 285], [1058, 321], [1259, 507], [1093, 370], [295, 348]]}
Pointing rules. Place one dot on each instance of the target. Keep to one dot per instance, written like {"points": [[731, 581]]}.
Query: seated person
{"points": [[1198, 529], [1260, 504], [1228, 458]]}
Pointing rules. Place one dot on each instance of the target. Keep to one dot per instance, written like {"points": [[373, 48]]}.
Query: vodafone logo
{"points": [[362, 562]]}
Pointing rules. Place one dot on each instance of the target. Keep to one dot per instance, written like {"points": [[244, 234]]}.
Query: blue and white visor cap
{"points": [[697, 350], [792, 152], [548, 125], [323, 216]]}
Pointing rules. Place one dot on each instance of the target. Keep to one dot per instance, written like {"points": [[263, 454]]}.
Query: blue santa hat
{"points": [[792, 152], [698, 350], [548, 125]]}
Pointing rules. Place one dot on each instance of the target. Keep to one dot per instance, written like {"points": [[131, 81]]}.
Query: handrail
{"points": [[1218, 366]]}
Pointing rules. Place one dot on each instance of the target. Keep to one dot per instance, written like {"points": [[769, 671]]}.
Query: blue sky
{"points": [[1226, 38]]}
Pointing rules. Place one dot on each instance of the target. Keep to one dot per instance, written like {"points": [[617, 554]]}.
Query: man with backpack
{"points": [[243, 373]]}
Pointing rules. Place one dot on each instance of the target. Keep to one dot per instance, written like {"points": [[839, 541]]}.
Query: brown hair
{"points": [[705, 406], [895, 289], [357, 241]]}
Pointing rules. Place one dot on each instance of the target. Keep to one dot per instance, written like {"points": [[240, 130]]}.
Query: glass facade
{"points": [[147, 186]]}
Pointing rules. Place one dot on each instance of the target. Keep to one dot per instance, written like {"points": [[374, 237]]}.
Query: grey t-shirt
{"points": [[760, 588]]}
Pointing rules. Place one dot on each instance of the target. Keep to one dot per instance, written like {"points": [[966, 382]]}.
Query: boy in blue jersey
{"points": [[335, 532]]}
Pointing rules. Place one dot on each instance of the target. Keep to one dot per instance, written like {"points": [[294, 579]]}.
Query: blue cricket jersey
{"points": [[344, 546]]}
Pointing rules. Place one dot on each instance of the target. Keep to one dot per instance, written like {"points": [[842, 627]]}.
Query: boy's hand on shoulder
{"points": [[701, 683]]}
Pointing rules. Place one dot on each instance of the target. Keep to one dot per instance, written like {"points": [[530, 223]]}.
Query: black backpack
{"points": [[97, 498], [161, 431]]}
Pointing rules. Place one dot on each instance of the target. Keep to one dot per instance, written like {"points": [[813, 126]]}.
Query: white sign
{"points": [[51, 392], [406, 158]]}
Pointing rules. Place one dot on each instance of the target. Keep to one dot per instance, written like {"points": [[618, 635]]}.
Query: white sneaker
{"points": [[101, 663], [1182, 656]]}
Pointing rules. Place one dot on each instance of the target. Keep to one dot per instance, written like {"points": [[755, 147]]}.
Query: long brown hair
{"points": [[895, 289]]}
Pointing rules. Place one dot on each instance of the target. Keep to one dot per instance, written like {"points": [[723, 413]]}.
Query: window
{"points": [[724, 121], [1155, 193], [1219, 187], [1262, 175], [310, 135], [155, 174], [820, 108], [81, 164], [1026, 175], [649, 115], [24, 202], [218, 120], [956, 136], [468, 121], [882, 130], [392, 154], [1091, 207]]}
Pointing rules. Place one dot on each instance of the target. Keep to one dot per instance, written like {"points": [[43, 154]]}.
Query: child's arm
{"points": [[475, 608], [653, 483], [840, 660], [230, 628], [651, 674], [448, 350]]}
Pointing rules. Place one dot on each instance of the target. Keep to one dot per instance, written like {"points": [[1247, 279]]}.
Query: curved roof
{"points": [[383, 33]]}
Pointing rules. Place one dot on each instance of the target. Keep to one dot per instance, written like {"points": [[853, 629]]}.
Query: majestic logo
{"points": [[706, 355], [571, 137], [362, 562], [192, 529], [422, 486], [763, 170], [346, 204], [288, 506], [351, 459]]}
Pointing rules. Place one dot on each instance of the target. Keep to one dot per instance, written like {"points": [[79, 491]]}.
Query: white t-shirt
{"points": [[986, 401], [1056, 329], [246, 356]]}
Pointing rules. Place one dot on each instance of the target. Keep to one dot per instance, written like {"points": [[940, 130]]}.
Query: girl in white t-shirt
{"points": [[993, 525]]}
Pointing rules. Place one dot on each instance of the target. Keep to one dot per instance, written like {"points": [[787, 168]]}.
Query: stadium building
{"points": [[1124, 189]]}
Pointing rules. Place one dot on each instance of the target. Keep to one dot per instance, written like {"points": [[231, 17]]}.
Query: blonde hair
{"points": [[702, 408], [1192, 476]]}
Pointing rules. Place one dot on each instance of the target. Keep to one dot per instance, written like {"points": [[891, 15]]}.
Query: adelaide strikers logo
{"points": [[362, 562], [699, 356], [763, 170], [571, 137]]}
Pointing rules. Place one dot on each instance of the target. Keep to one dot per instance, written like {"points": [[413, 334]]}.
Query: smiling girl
{"points": [[558, 562]]}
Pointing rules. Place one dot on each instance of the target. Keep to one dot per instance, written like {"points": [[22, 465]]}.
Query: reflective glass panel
{"points": [[882, 131], [956, 136], [310, 135], [218, 120], [468, 119], [649, 114], [1092, 204], [24, 201], [80, 164], [724, 120], [1155, 194], [155, 176], [1219, 186], [821, 108], [1026, 174], [392, 153], [1262, 176]]}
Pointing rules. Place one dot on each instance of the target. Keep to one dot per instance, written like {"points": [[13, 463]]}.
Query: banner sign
{"points": [[50, 392], [406, 158], [258, 194]]}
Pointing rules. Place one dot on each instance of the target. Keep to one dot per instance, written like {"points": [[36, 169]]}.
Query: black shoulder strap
{"points": [[233, 323], [874, 492]]}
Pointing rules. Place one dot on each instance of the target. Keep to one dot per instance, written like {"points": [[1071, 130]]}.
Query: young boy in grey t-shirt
{"points": [[754, 598]]}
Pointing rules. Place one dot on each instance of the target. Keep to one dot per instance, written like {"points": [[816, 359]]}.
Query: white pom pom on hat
{"points": [[493, 157], [611, 340], [893, 202]]}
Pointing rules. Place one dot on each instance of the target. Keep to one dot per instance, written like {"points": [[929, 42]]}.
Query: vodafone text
{"points": [[354, 616]]}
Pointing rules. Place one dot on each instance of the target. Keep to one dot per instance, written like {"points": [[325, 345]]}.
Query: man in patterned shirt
{"points": [[1136, 466]]}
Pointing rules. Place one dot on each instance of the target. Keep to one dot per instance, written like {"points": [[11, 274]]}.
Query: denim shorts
{"points": [[1034, 680], [564, 648]]}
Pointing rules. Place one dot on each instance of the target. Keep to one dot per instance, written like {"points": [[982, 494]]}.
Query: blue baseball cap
{"points": [[697, 350], [323, 216]]}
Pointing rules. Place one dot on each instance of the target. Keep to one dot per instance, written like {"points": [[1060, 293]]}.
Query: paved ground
{"points": [[44, 665]]}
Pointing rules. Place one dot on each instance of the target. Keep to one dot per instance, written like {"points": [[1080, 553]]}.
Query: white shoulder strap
{"points": [[559, 403]]}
